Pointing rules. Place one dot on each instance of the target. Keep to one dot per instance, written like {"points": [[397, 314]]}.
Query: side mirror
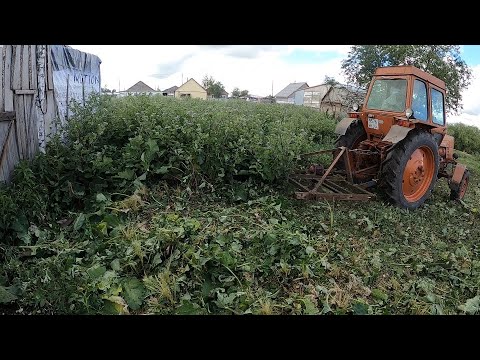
{"points": [[409, 113]]}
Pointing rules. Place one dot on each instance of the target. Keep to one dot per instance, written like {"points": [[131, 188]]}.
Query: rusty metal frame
{"points": [[330, 186]]}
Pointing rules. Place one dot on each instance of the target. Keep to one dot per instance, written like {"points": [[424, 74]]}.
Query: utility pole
{"points": [[272, 88], [182, 80]]}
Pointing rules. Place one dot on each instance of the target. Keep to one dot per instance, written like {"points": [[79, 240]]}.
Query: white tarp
{"points": [[76, 75]]}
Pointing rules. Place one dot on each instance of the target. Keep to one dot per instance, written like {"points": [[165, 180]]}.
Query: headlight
{"points": [[355, 107], [409, 113]]}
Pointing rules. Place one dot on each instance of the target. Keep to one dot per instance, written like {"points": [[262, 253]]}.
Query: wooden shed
{"points": [[37, 82], [334, 99]]}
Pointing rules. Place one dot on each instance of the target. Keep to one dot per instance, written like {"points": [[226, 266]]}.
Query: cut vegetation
{"points": [[153, 205]]}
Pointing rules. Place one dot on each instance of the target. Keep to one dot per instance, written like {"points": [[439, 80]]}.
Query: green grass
{"points": [[176, 243]]}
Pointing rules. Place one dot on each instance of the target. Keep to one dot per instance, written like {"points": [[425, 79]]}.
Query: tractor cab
{"points": [[400, 96]]}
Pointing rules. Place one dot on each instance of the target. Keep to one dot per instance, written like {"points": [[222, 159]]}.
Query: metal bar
{"points": [[332, 196], [365, 169], [329, 169], [336, 186], [333, 187], [348, 165], [299, 184], [355, 186]]}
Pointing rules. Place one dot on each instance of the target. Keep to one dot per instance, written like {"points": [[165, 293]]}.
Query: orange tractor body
{"points": [[397, 139]]}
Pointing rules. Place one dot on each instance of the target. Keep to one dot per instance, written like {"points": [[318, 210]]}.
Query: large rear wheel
{"points": [[410, 170]]}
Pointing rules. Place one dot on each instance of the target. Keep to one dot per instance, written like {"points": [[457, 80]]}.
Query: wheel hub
{"points": [[418, 174]]}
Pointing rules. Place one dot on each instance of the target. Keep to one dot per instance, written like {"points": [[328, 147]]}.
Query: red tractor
{"points": [[396, 140]]}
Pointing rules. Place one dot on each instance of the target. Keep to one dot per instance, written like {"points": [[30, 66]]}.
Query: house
{"points": [[191, 89], [137, 89], [336, 99], [224, 94], [170, 91], [287, 95]]}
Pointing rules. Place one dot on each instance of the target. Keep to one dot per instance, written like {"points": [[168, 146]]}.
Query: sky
{"points": [[256, 68]]}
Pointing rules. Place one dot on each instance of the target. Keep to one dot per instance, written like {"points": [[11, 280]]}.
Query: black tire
{"points": [[458, 192], [395, 164], [353, 136]]}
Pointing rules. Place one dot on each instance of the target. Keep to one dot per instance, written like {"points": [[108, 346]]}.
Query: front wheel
{"points": [[354, 135], [457, 193], [410, 170]]}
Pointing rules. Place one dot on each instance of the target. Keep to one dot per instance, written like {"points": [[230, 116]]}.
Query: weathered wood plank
{"points": [[33, 67], [27, 127], [7, 116], [50, 115], [2, 69], [31, 116], [25, 67], [4, 125], [8, 152], [34, 126], [11, 158], [24, 92], [17, 67], [49, 69], [7, 78], [20, 127]]}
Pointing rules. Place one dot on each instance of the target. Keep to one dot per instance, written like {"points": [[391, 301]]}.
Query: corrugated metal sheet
{"points": [[299, 97], [290, 89]]}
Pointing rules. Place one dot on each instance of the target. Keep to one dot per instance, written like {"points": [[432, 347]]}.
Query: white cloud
{"points": [[471, 96], [467, 119]]}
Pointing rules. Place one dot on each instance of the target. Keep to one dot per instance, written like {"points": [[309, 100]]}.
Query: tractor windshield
{"points": [[388, 95]]}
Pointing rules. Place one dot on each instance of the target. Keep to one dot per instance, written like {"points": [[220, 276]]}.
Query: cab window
{"points": [[419, 101], [438, 109], [388, 95]]}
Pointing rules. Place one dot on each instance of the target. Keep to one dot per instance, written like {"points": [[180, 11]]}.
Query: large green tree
{"points": [[442, 61], [213, 87]]}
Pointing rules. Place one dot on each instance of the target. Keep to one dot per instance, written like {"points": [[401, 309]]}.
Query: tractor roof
{"points": [[410, 70]]}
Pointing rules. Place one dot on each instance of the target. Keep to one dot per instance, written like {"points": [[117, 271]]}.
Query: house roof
{"points": [[170, 90], [224, 92], [290, 89], [140, 87], [191, 79]]}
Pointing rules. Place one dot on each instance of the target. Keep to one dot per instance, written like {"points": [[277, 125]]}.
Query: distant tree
{"points": [[214, 88], [442, 61], [106, 90], [270, 99], [208, 81], [236, 93], [330, 81]]}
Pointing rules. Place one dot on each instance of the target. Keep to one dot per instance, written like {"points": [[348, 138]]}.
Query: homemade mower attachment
{"points": [[332, 183]]}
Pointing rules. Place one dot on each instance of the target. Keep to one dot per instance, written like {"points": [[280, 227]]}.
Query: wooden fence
{"points": [[27, 104]]}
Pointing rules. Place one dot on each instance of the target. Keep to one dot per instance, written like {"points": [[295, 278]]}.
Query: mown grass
{"points": [[171, 242]]}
